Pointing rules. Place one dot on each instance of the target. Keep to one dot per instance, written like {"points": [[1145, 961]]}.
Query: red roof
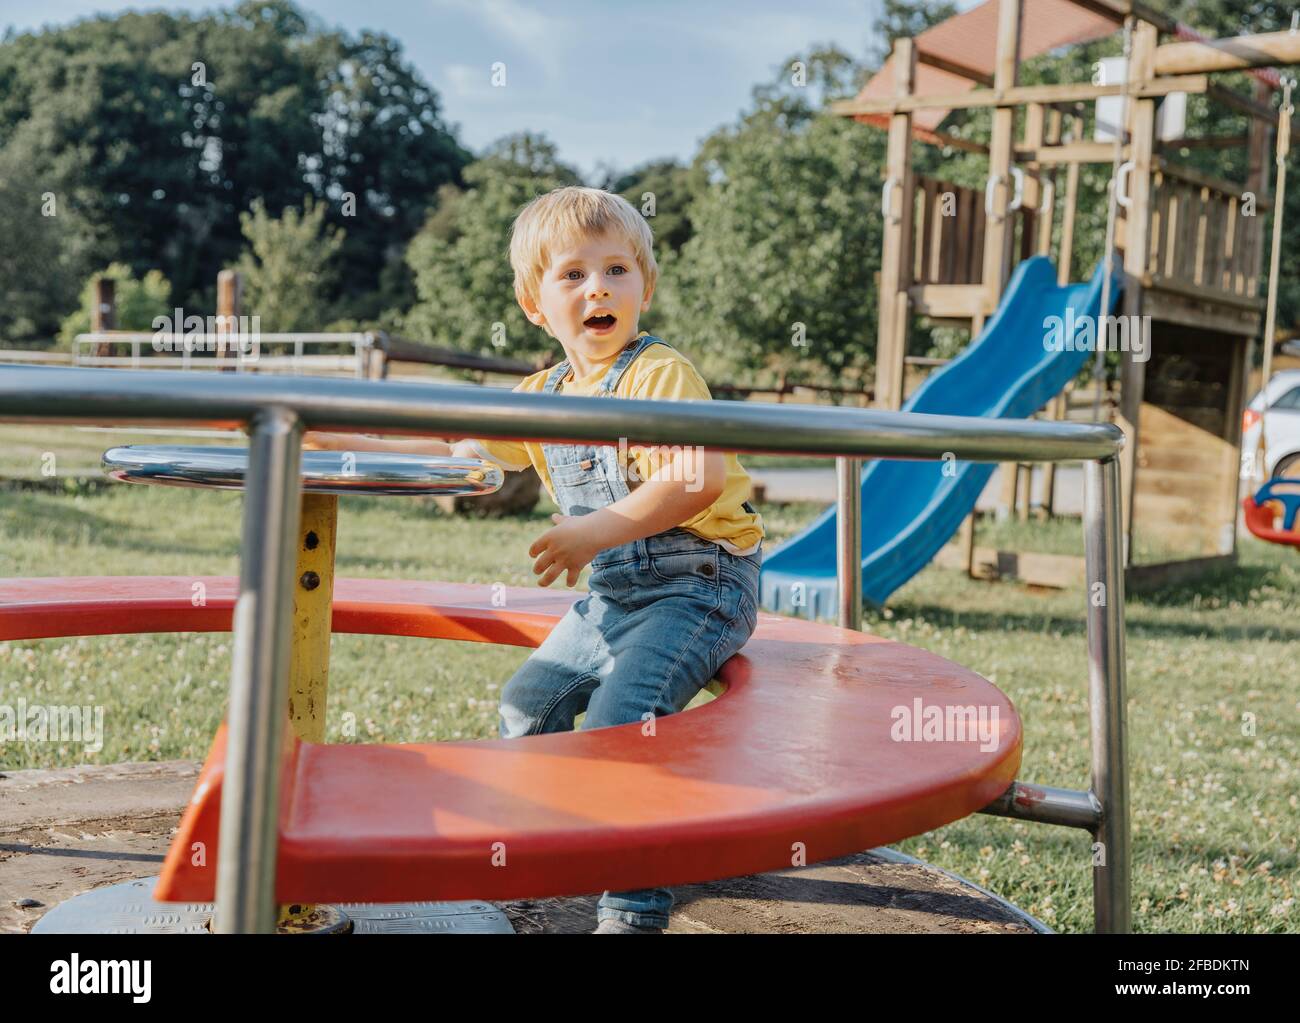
{"points": [[969, 40]]}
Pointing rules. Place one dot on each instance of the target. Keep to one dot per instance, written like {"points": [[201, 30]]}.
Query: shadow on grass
{"points": [[995, 621], [1225, 584], [59, 521]]}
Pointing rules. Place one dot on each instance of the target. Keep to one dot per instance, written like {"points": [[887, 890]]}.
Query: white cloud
{"points": [[466, 81], [544, 38]]}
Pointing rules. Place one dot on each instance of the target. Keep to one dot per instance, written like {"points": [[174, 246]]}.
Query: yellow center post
{"points": [[309, 661]]}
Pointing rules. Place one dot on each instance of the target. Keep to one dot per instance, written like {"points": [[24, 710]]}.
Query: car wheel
{"points": [[1288, 466]]}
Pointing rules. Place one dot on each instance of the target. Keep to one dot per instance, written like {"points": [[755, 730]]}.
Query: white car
{"points": [[1282, 454]]}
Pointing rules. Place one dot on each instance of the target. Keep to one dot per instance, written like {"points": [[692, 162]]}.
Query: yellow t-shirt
{"points": [[662, 373]]}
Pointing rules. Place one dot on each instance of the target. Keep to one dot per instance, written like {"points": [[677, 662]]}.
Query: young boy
{"points": [[673, 545]]}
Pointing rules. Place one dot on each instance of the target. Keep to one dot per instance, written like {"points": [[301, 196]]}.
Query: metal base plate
{"points": [[129, 908]]}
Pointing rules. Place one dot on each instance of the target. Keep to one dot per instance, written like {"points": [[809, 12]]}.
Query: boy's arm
{"points": [[667, 498]]}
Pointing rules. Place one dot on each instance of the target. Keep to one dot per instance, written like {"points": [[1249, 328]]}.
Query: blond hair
{"points": [[564, 218]]}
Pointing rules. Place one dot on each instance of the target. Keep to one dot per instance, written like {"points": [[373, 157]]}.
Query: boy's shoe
{"points": [[613, 926]]}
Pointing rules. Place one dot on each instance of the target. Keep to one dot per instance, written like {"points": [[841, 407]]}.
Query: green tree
{"points": [[666, 184], [289, 267], [42, 258], [161, 128], [778, 274], [460, 258], [138, 302]]}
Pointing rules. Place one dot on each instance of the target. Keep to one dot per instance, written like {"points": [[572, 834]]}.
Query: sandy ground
{"points": [[67, 831]]}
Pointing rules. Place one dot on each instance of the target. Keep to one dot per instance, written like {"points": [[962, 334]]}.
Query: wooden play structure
{"points": [[1189, 245]]}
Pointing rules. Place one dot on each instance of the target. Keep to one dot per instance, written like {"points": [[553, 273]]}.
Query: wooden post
{"points": [[1235, 404], [376, 359], [1258, 145], [966, 543], [1026, 491], [1141, 127], [1053, 138], [1066, 264], [1010, 490], [1035, 135], [896, 258], [998, 227], [1057, 411], [997, 231], [230, 289], [103, 311]]}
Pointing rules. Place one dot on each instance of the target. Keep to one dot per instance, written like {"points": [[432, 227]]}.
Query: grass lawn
{"points": [[1214, 710]]}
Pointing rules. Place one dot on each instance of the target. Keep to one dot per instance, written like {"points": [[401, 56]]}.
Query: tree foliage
{"points": [[778, 273], [460, 258], [289, 267], [42, 255], [137, 302], [159, 129]]}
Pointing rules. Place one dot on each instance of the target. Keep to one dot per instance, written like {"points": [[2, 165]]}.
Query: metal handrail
{"points": [[123, 397], [279, 408]]}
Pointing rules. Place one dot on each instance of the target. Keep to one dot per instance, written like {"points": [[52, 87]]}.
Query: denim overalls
{"points": [[662, 615]]}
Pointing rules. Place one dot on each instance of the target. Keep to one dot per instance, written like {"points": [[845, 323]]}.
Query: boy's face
{"points": [[592, 297]]}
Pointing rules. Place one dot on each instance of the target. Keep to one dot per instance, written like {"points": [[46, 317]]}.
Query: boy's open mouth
{"points": [[600, 324]]}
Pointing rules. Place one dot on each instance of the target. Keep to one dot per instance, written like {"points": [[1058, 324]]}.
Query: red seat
{"points": [[794, 763], [1260, 520]]}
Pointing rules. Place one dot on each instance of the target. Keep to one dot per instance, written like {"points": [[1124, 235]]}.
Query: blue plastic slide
{"points": [[911, 509]]}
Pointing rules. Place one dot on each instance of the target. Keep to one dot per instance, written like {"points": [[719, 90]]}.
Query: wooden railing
{"points": [[948, 245], [1206, 237]]}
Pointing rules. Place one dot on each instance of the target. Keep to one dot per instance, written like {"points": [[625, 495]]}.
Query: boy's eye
{"points": [[573, 275]]}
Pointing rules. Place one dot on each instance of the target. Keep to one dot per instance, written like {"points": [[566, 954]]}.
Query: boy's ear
{"points": [[530, 309], [649, 294]]}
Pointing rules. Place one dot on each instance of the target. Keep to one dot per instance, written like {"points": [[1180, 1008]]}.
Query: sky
{"points": [[613, 85]]}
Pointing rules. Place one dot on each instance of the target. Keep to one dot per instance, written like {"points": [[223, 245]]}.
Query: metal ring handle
{"points": [[993, 181], [1017, 198], [1121, 184], [323, 472], [887, 201]]}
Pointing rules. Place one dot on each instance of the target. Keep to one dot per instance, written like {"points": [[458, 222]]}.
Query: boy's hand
{"points": [[566, 546]]}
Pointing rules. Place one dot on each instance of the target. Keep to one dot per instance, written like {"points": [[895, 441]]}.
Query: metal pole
{"points": [[257, 719], [848, 529], [1106, 697], [117, 397]]}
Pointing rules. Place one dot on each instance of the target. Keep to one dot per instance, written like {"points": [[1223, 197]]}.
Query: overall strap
{"points": [[635, 348], [555, 376]]}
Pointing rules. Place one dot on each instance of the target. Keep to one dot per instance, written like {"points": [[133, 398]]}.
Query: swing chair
{"points": [[1261, 507]]}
